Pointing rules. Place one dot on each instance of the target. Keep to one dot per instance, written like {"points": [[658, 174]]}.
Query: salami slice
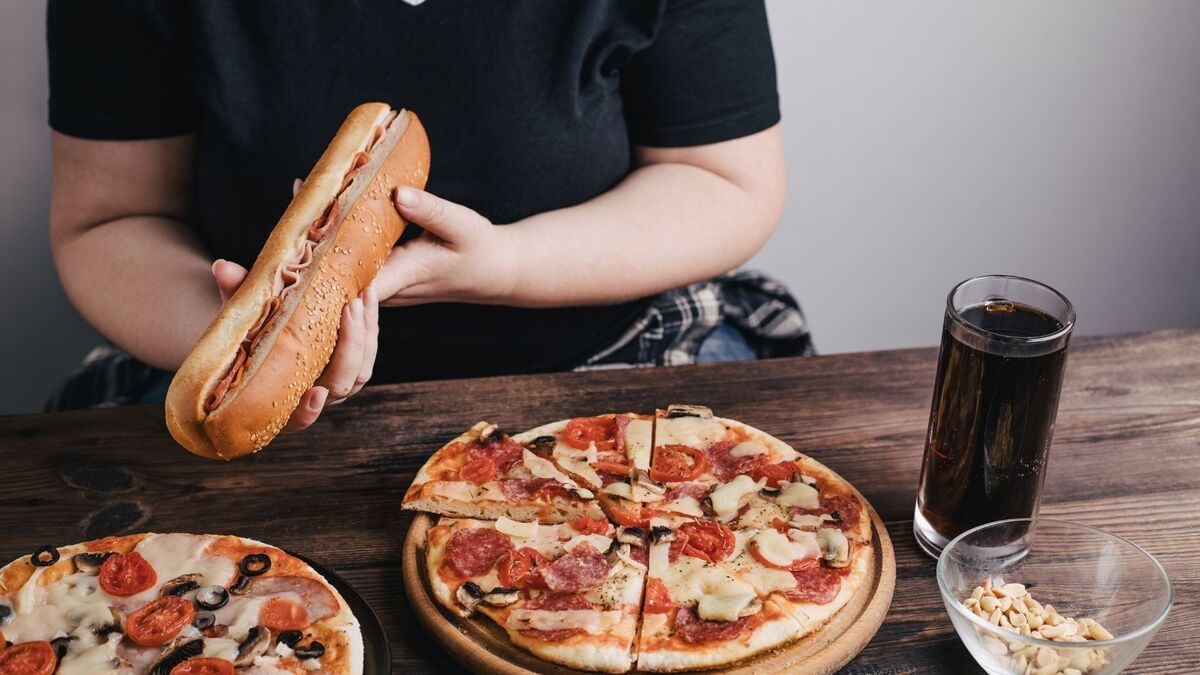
{"points": [[695, 490], [522, 489], [726, 467], [505, 452], [819, 585], [550, 635], [475, 550], [676, 548], [558, 602], [846, 509], [581, 569], [695, 630]]}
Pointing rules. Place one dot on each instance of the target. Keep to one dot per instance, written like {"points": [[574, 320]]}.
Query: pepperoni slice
{"points": [[708, 540], [479, 471], [727, 467], [520, 489], [126, 574], [695, 630], [776, 472], [28, 658], [581, 569], [558, 602], [658, 598], [818, 585], [280, 614], [589, 525], [159, 621], [639, 554], [583, 431], [843, 508], [676, 548], [697, 491], [472, 551], [505, 452], [677, 463], [522, 568], [204, 666]]}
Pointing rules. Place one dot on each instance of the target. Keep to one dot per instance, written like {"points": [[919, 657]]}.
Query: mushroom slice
{"points": [[753, 607], [491, 432], [89, 563], [242, 585], [258, 639], [469, 595], [176, 652], [634, 536], [501, 597], [661, 533], [542, 446], [642, 479], [115, 626], [683, 410], [578, 492], [180, 585]]}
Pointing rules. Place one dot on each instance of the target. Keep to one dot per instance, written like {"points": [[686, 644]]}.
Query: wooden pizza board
{"points": [[483, 647]]}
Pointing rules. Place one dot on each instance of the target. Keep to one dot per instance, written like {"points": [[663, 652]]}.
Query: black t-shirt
{"points": [[530, 105]]}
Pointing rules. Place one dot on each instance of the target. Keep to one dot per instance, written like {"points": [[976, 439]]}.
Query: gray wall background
{"points": [[927, 142]]}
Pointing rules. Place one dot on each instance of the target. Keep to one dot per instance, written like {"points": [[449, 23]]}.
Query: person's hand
{"points": [[460, 257], [353, 357]]}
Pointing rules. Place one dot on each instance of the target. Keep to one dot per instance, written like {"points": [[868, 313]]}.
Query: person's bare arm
{"points": [[142, 278], [684, 214], [125, 258]]}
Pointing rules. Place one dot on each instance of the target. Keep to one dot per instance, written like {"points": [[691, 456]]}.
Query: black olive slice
{"points": [[255, 564], [291, 637], [204, 620], [45, 556], [60, 646], [212, 598], [314, 650]]}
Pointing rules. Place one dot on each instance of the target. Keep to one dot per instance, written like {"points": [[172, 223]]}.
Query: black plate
{"points": [[377, 656]]}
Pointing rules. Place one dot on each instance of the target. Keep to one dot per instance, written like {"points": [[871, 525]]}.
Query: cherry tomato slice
{"points": [[776, 472], [126, 574], [280, 614], [28, 658], [708, 540], [590, 525], [658, 599], [204, 666], [625, 512], [582, 431], [677, 463], [159, 621], [522, 568], [478, 472]]}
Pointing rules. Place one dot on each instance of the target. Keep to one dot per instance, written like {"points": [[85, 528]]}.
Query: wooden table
{"points": [[1126, 457]]}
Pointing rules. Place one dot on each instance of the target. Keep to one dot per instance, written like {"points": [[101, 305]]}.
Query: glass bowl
{"points": [[1078, 571]]}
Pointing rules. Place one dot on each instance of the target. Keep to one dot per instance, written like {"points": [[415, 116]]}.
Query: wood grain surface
{"points": [[1126, 457]]}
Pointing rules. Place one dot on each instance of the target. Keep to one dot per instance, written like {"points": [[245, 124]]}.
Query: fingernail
{"points": [[318, 399], [408, 197], [215, 263], [356, 308], [372, 294]]}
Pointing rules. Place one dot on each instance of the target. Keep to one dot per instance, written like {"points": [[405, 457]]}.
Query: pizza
{"points": [[665, 542], [172, 604]]}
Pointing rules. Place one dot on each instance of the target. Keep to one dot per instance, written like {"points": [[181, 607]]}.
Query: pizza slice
{"points": [[696, 613], [569, 593], [485, 473], [811, 575]]}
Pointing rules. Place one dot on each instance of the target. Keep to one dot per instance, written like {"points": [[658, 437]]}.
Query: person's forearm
{"points": [[664, 226], [143, 282]]}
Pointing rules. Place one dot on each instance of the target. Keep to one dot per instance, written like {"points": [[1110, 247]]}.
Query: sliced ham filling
{"points": [[287, 277]]}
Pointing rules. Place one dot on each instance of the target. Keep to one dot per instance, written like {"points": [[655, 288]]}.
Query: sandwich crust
{"points": [[292, 357]]}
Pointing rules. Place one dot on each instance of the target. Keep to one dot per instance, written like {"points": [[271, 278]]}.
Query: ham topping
{"points": [[287, 277]]}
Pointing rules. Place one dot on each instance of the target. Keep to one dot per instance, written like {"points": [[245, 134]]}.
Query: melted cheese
{"points": [[747, 448], [716, 594], [589, 620], [220, 648], [693, 432], [95, 660], [515, 528], [580, 467], [798, 494], [782, 551], [807, 521], [726, 498], [835, 547], [688, 506], [637, 442]]}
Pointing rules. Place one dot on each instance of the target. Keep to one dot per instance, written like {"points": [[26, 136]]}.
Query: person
{"points": [[597, 166]]}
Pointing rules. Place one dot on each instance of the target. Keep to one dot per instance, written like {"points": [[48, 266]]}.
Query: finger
{"points": [[370, 298], [342, 370], [296, 186], [229, 275], [311, 404], [450, 221]]}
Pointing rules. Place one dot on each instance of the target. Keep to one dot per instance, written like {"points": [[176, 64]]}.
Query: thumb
{"points": [[444, 219], [229, 275]]}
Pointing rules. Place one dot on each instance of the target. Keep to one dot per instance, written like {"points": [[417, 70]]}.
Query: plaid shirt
{"points": [[669, 333]]}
